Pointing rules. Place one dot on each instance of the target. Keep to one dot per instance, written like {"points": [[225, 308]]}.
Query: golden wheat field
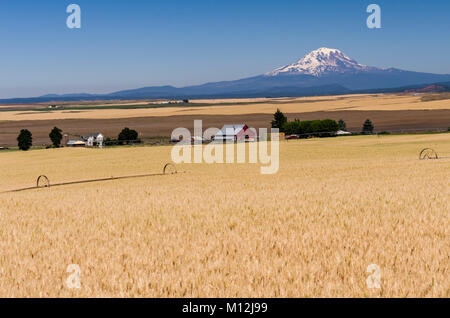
{"points": [[335, 207]]}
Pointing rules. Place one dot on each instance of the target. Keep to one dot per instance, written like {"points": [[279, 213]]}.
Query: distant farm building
{"points": [[343, 133], [76, 143], [94, 140], [234, 133]]}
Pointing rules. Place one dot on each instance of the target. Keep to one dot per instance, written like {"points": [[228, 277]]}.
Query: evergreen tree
{"points": [[25, 140], [368, 127], [279, 120], [56, 137]]}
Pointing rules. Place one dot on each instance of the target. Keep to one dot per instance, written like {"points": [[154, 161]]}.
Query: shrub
{"points": [[25, 140]]}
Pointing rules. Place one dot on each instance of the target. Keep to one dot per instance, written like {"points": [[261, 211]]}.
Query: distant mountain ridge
{"points": [[434, 88], [321, 72]]}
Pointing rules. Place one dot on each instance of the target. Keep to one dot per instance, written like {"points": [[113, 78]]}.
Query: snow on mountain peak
{"points": [[322, 61]]}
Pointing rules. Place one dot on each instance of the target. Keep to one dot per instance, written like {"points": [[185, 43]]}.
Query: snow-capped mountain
{"points": [[321, 62]]}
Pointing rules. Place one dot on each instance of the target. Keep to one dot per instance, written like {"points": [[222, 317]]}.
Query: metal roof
{"points": [[76, 142], [230, 130]]}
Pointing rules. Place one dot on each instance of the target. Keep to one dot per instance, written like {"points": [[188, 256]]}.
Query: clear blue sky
{"points": [[134, 43]]}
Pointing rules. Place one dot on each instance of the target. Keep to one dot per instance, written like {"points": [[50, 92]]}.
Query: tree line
{"points": [[298, 127], [25, 137]]}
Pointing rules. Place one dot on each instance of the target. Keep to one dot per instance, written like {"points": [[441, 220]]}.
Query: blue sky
{"points": [[134, 43]]}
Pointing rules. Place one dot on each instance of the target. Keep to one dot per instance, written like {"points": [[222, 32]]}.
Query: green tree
{"points": [[279, 120], [25, 140], [329, 125], [306, 127], [292, 127], [315, 126], [342, 125], [311, 127], [128, 134], [368, 127], [56, 137]]}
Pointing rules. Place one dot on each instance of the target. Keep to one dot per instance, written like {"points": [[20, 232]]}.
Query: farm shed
{"points": [[236, 133], [76, 143]]}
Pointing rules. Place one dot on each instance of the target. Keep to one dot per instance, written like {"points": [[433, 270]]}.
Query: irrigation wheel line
{"points": [[44, 182], [430, 154]]}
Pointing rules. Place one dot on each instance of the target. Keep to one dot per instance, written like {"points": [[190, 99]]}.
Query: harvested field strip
{"points": [[164, 125]]}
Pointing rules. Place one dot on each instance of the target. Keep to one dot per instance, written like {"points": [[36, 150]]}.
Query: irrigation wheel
{"points": [[427, 154], [169, 169], [42, 182]]}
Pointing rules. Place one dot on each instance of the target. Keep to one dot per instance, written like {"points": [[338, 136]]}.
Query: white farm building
{"points": [[234, 133], [94, 140]]}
